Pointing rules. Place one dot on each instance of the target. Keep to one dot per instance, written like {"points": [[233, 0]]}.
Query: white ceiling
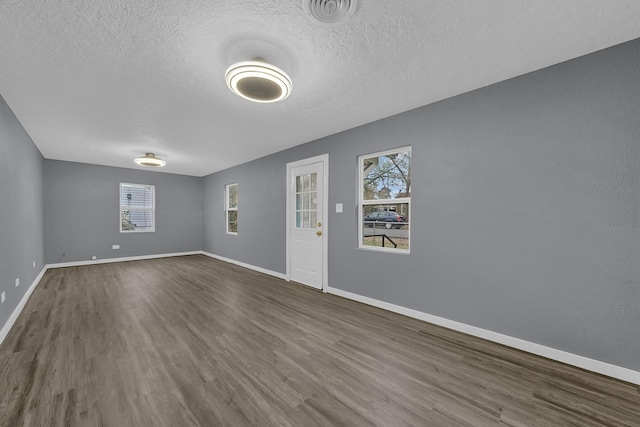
{"points": [[102, 82]]}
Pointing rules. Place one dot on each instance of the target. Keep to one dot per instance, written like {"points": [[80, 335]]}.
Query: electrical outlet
{"points": [[2, 296], [115, 246], [94, 257], [17, 282]]}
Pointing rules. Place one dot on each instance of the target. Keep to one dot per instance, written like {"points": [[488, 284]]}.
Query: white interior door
{"points": [[307, 240]]}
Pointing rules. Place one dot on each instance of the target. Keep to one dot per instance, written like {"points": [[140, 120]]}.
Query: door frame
{"points": [[324, 159]]}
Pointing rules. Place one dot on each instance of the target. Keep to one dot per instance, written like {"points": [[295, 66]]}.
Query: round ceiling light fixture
{"points": [[150, 160], [258, 81], [330, 11]]}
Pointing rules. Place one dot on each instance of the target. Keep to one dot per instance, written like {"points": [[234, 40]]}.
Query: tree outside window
{"points": [[231, 208], [385, 200]]}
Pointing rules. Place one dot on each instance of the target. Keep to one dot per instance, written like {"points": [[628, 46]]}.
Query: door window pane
{"points": [[307, 201]]}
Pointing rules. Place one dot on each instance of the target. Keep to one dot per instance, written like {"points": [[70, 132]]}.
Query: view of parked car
{"points": [[388, 219]]}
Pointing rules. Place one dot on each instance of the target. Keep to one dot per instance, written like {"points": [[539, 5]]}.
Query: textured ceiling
{"points": [[102, 82]]}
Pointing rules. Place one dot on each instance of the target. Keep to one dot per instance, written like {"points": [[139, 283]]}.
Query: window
{"points": [[384, 191], [307, 201], [137, 208], [231, 208]]}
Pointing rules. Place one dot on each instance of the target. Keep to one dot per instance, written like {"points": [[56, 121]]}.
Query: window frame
{"points": [[362, 202], [312, 224], [152, 208], [228, 209]]}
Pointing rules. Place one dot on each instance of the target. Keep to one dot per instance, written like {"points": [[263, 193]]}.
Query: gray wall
{"points": [[525, 209], [82, 219], [261, 221], [21, 235]]}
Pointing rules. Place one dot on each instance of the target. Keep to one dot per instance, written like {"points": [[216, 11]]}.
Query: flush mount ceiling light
{"points": [[150, 160], [330, 11], [258, 81]]}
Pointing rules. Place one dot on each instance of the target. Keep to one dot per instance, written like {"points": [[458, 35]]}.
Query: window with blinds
{"points": [[137, 208]]}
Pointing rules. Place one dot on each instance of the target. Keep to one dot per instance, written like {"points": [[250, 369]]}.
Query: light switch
{"points": [[339, 208]]}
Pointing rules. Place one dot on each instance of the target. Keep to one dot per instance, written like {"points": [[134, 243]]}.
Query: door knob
{"points": [[318, 233]]}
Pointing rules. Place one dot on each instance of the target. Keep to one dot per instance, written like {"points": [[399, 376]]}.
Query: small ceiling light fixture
{"points": [[258, 81], [150, 160]]}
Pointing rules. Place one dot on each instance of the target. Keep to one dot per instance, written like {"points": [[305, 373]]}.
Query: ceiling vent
{"points": [[330, 11]]}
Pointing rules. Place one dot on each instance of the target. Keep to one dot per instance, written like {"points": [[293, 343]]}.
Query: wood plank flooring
{"points": [[192, 341]]}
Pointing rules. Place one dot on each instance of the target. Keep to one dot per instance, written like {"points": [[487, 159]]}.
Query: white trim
{"points": [[16, 312], [597, 366], [324, 159], [122, 259], [245, 265]]}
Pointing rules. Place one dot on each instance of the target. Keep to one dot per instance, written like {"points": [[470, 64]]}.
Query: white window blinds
{"points": [[137, 207]]}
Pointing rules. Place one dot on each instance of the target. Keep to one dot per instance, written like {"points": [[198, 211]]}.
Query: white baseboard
{"points": [[245, 265], [597, 366], [16, 312], [129, 258]]}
